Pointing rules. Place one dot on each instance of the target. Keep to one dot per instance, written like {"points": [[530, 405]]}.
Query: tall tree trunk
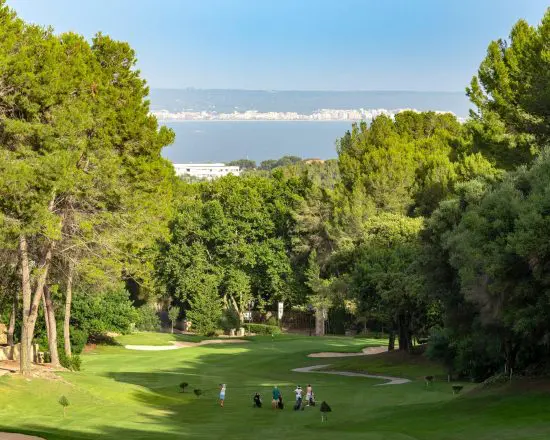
{"points": [[50, 315], [31, 302], [46, 317], [13, 317], [39, 289], [404, 334], [25, 355], [68, 302], [319, 321], [237, 309], [391, 340]]}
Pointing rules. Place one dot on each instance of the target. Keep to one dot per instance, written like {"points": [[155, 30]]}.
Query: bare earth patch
{"points": [[11, 436], [43, 371], [364, 352], [180, 344]]}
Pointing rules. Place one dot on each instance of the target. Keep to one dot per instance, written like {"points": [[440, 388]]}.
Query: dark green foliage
{"points": [[97, 314], [230, 320], [206, 309], [325, 408], [283, 161], [79, 338], [457, 389], [229, 240], [263, 329], [512, 94], [244, 164], [147, 318], [72, 363], [64, 402], [183, 385], [197, 392]]}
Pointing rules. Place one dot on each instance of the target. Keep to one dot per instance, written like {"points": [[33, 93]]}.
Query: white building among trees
{"points": [[206, 171]]}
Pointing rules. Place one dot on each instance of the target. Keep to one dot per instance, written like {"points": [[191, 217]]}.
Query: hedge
{"points": [[263, 329]]}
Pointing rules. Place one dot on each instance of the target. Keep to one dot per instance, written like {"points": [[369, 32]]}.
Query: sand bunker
{"points": [[180, 344], [364, 352], [315, 369], [11, 436]]}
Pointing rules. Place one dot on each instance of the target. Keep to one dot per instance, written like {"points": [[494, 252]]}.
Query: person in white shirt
{"points": [[298, 391]]}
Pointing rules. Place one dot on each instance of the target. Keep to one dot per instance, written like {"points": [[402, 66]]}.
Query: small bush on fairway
{"points": [[183, 385], [457, 389], [325, 408], [64, 402], [263, 329], [197, 392]]}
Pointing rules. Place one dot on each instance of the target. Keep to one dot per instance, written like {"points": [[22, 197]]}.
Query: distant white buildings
{"points": [[207, 171]]}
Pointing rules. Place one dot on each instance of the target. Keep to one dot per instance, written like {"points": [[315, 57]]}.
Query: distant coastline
{"points": [[323, 115]]}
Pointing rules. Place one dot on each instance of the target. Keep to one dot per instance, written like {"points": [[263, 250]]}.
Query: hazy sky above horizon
{"points": [[296, 45]]}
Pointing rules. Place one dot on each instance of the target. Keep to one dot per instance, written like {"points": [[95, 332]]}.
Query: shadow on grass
{"points": [[165, 413]]}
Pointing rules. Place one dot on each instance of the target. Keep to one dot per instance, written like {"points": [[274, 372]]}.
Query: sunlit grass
{"points": [[123, 394]]}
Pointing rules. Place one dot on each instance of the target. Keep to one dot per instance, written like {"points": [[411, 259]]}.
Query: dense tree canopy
{"points": [[512, 94]]}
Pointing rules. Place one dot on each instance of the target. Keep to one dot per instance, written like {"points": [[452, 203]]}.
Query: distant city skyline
{"points": [[421, 45]]}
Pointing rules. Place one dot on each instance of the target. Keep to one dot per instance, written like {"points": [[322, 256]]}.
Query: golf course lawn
{"points": [[124, 394]]}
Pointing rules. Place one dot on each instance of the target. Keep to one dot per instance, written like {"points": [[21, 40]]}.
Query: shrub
{"points": [[72, 363], [272, 321], [230, 319], [197, 392], [105, 312], [206, 310], [441, 349], [79, 338], [183, 385], [263, 329], [147, 319], [457, 389], [64, 402]]}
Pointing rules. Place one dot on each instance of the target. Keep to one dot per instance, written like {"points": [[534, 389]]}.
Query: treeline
{"points": [[266, 165]]}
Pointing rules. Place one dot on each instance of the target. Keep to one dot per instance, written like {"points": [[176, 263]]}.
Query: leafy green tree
{"points": [[386, 281], [235, 230], [511, 93], [206, 307], [78, 148], [173, 315]]}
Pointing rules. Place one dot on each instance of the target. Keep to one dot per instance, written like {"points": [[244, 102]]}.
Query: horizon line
{"points": [[308, 90]]}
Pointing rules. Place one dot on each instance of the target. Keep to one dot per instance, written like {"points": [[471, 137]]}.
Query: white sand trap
{"points": [[390, 380], [179, 344], [364, 352], [11, 436]]}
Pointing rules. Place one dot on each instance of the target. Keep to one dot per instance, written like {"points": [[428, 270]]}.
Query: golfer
{"points": [[276, 396], [222, 394]]}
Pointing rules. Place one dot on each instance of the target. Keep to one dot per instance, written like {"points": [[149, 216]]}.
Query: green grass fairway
{"points": [[123, 394]]}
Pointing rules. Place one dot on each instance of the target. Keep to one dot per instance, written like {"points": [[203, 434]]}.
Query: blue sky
{"points": [[296, 44]]}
